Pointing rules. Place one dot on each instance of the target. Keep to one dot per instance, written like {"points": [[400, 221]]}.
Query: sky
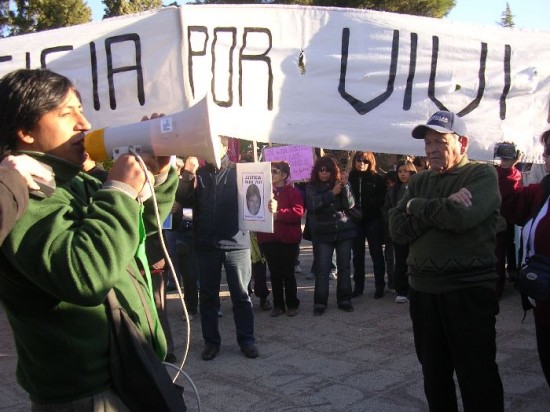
{"points": [[528, 14]]}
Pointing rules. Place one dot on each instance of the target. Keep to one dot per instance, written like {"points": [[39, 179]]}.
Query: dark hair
{"points": [[545, 137], [369, 156], [421, 161], [25, 96], [392, 176], [409, 165], [283, 167], [330, 164]]}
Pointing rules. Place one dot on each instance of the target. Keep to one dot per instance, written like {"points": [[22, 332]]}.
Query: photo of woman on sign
{"points": [[253, 199]]}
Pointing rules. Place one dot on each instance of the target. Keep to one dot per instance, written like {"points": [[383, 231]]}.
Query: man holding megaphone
{"points": [[70, 249], [219, 241]]}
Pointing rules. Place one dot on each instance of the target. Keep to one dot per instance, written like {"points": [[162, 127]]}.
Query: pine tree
{"points": [[28, 16], [507, 18], [120, 7], [52, 14]]}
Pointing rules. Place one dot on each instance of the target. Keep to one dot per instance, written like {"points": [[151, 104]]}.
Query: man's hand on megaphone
{"points": [[158, 164], [126, 169]]}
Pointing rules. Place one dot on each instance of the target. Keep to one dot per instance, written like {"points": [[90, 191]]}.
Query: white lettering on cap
{"points": [[439, 118]]}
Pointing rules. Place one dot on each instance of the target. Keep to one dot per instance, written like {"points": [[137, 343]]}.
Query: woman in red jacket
{"points": [[529, 207], [280, 248]]}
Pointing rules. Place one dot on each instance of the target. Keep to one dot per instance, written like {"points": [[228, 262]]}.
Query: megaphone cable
{"points": [[197, 397], [171, 265]]}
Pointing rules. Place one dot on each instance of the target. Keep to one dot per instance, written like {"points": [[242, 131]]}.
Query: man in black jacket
{"points": [[218, 240]]}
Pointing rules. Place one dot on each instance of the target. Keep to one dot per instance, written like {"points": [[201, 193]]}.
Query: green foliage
{"points": [[507, 18], [429, 8], [120, 7], [53, 14], [28, 16], [16, 18]]}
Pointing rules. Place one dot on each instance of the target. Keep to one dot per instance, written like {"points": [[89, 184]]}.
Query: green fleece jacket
{"points": [[57, 266], [451, 246]]}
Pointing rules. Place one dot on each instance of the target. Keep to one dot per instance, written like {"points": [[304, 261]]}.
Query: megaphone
{"points": [[185, 133]]}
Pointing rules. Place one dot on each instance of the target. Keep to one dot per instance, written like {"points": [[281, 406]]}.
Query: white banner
{"points": [[323, 77], [124, 68]]}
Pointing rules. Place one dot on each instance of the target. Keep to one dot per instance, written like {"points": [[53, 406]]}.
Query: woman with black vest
{"points": [[369, 191]]}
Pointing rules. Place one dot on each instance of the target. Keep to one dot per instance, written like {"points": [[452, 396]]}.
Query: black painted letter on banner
{"points": [[359, 106], [138, 67], [233, 33], [257, 57]]}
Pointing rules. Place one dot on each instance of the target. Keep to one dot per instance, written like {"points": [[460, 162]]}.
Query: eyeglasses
{"points": [[276, 172], [325, 169], [365, 161]]}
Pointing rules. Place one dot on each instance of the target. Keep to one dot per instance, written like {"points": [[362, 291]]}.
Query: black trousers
{"points": [[542, 327], [400, 275], [455, 332], [280, 260]]}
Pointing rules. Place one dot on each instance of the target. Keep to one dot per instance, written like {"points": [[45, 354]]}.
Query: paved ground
{"points": [[360, 361]]}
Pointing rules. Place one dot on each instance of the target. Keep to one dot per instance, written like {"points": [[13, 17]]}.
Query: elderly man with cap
{"points": [[448, 216]]}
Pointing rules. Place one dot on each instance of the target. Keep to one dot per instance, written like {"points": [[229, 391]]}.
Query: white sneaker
{"points": [[401, 299]]}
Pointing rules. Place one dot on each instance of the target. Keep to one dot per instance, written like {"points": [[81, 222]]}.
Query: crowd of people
{"points": [[85, 240]]}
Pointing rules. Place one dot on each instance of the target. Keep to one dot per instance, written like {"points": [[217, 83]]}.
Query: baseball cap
{"points": [[441, 122]]}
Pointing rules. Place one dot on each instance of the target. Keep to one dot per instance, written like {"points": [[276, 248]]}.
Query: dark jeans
{"points": [[373, 231], [188, 270], [400, 275], [280, 259], [171, 237], [455, 332], [322, 252], [505, 252], [237, 271], [332, 264]]}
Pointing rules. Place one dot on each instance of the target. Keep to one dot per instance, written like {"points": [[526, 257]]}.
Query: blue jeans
{"points": [[322, 252], [373, 231], [237, 271]]}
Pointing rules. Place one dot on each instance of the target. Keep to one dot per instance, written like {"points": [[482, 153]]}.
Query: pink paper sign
{"points": [[300, 159]]}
